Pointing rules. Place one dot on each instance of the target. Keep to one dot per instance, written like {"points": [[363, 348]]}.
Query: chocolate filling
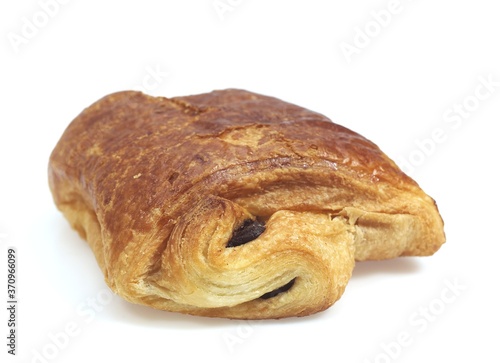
{"points": [[278, 291], [247, 232]]}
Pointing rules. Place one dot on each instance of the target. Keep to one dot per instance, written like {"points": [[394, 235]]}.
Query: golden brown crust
{"points": [[157, 186]]}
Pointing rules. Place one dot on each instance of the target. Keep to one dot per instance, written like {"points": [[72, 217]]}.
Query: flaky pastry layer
{"points": [[233, 204]]}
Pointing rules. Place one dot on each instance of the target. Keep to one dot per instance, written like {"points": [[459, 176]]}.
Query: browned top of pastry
{"points": [[124, 147], [160, 188]]}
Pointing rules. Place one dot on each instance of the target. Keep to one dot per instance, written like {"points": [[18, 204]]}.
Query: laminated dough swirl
{"points": [[233, 204]]}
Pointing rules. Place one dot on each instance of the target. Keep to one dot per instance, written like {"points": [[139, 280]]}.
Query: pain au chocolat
{"points": [[233, 204]]}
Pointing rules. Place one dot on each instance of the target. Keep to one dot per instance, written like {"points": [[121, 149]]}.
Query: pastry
{"points": [[233, 204]]}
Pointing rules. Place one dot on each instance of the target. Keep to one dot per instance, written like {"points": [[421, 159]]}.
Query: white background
{"points": [[399, 88]]}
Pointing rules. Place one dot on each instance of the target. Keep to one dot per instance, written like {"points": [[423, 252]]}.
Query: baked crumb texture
{"points": [[233, 204]]}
